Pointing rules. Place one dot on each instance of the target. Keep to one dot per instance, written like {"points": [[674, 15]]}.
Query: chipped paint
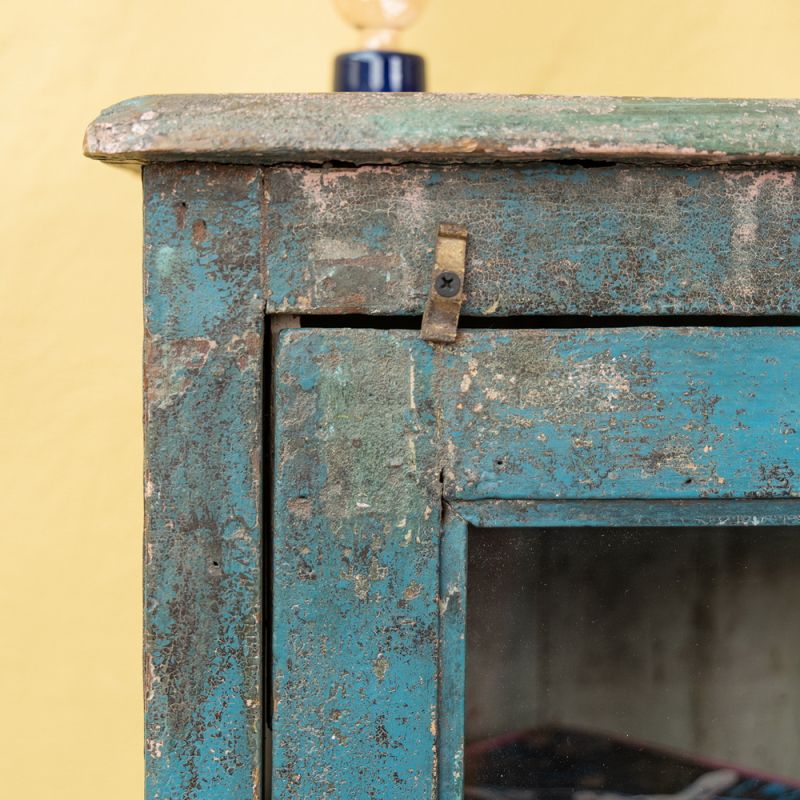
{"points": [[381, 667], [202, 573], [544, 239], [569, 417], [370, 616], [537, 427], [375, 129], [703, 407], [173, 367]]}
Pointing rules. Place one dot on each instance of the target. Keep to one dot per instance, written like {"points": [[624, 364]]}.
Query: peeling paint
{"points": [[203, 359], [376, 129], [566, 417], [381, 667], [372, 538], [553, 238], [399, 427]]}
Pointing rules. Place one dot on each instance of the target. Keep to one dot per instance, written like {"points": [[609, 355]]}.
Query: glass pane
{"points": [[633, 661]]}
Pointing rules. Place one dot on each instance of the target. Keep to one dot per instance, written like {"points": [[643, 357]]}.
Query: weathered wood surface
{"points": [[356, 569], [203, 362], [453, 655], [543, 239], [657, 413], [731, 512], [384, 129], [368, 425]]}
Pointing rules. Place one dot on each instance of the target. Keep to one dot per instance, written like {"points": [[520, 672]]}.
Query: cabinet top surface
{"points": [[442, 128]]}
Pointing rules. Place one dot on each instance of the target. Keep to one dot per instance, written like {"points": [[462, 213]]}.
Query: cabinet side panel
{"points": [[202, 411], [356, 553]]}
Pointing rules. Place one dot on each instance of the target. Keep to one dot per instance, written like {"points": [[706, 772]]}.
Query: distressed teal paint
{"points": [[638, 413], [628, 426], [745, 512], [543, 239], [536, 428], [356, 569], [378, 129], [202, 579], [453, 656]]}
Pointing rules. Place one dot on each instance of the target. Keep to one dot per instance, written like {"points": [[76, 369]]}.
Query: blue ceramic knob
{"points": [[379, 71], [379, 66]]}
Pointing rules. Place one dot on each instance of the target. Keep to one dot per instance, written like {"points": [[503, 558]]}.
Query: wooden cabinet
{"points": [[626, 359]]}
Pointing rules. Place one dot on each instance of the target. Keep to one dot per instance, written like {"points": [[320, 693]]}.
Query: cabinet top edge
{"points": [[443, 128]]}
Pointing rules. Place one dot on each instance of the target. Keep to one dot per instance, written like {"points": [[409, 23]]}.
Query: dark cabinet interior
{"points": [[679, 642]]}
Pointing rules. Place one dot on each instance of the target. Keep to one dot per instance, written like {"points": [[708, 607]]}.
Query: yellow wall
{"points": [[70, 444]]}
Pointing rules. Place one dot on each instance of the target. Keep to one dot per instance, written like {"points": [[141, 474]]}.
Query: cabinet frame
{"points": [[211, 234], [388, 448]]}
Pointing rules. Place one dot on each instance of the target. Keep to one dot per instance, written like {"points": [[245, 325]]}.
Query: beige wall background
{"points": [[70, 289]]}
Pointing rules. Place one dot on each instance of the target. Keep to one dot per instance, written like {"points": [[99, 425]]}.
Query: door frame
{"points": [[373, 502]]}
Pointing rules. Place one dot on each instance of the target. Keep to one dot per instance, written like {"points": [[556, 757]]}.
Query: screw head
{"points": [[448, 284]]}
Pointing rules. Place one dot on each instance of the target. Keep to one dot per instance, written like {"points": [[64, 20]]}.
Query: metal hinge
{"points": [[440, 320]]}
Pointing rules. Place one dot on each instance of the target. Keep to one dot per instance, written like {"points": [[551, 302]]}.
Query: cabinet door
{"points": [[389, 450]]}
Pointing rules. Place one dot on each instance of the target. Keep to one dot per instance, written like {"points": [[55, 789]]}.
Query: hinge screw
{"points": [[448, 284]]}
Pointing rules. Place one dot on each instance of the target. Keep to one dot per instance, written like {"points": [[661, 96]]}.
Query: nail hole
{"points": [[180, 213], [199, 231]]}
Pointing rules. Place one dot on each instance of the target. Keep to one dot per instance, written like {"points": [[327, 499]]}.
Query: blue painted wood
{"points": [[543, 239], [387, 447], [732, 512], [374, 128], [453, 655], [202, 576], [659, 413], [377, 430], [356, 568]]}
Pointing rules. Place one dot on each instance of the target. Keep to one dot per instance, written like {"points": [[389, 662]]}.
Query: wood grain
{"points": [[543, 239], [356, 570], [431, 128], [204, 329], [387, 445]]}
